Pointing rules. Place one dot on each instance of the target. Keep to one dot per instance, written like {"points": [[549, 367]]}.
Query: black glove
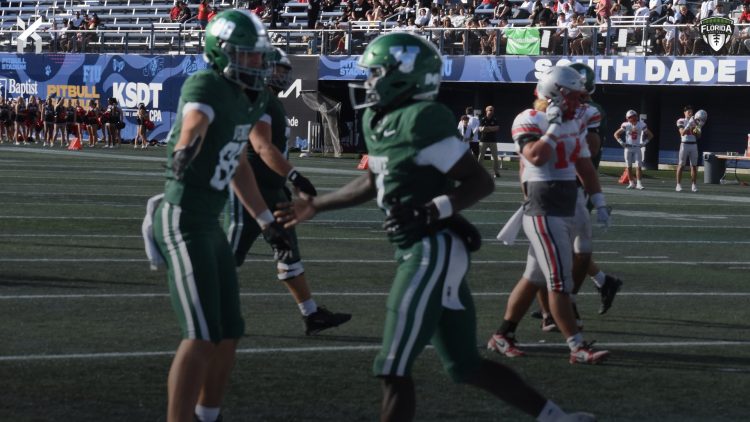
{"points": [[466, 231], [402, 217], [302, 183], [182, 158], [279, 239]]}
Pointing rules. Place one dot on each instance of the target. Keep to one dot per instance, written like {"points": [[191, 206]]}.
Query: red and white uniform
{"points": [[634, 139], [551, 195], [688, 142]]}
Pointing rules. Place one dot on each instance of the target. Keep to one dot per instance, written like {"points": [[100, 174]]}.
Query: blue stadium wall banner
{"points": [[154, 80], [678, 71]]}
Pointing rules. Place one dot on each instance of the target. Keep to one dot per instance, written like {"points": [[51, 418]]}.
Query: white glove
{"points": [[602, 210], [603, 217], [554, 114]]}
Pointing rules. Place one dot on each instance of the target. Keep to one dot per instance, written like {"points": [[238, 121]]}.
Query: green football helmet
{"points": [[588, 74], [400, 66], [281, 75], [231, 37]]}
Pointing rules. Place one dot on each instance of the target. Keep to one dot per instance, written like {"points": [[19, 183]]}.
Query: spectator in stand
{"points": [[204, 8], [174, 12], [215, 10], [487, 5], [423, 19], [313, 12], [657, 10], [625, 7], [185, 13], [719, 11], [707, 9], [77, 21], [603, 10], [376, 13], [524, 10], [741, 33], [686, 34], [471, 37], [504, 9], [360, 9]]}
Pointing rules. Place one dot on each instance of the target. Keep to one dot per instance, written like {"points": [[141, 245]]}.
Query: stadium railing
{"points": [[619, 37]]}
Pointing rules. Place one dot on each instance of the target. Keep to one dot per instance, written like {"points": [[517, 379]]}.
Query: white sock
{"points": [[599, 279], [574, 341], [308, 307], [550, 413], [207, 414]]}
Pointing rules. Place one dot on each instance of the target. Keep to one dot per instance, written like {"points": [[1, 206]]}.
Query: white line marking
{"points": [[645, 257], [371, 261], [346, 294], [352, 348]]}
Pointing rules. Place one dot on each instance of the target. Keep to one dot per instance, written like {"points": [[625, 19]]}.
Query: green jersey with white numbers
{"points": [[203, 188], [398, 146], [266, 177]]}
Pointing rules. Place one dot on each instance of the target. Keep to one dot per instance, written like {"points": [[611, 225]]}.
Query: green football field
{"points": [[87, 332]]}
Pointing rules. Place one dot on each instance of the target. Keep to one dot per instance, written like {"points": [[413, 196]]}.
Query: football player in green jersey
{"points": [[422, 175], [268, 157], [217, 110]]}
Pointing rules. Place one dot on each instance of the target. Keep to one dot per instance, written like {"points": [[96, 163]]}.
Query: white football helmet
{"points": [[701, 117], [563, 86], [631, 113]]}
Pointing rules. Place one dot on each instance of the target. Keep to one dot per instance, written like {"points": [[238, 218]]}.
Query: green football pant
{"points": [[201, 274], [429, 302]]}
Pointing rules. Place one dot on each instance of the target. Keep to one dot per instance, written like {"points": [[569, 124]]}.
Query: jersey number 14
{"points": [[562, 161]]}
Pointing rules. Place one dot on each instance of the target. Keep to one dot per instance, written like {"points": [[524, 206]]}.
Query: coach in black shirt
{"points": [[488, 129]]}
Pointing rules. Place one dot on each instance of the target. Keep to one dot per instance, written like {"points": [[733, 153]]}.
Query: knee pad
{"points": [[288, 271]]}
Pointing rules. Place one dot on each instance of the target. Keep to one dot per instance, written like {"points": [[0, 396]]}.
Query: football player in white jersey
{"points": [[631, 136], [690, 131], [552, 143]]}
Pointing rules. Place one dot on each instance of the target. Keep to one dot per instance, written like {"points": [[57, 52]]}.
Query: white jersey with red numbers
{"points": [[570, 145], [634, 133], [591, 116], [688, 137]]}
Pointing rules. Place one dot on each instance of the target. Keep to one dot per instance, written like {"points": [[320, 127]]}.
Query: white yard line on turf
{"points": [[346, 294], [352, 348], [373, 261]]}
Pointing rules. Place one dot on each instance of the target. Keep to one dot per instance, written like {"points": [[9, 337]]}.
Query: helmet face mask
{"points": [[238, 48], [563, 86], [281, 74], [400, 66]]}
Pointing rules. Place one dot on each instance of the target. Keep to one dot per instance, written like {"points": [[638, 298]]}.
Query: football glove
{"points": [[279, 240], [403, 217], [554, 113], [466, 231], [604, 216], [182, 158], [302, 183]]}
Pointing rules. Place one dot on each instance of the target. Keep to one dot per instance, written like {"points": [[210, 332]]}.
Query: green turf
{"points": [[87, 329]]}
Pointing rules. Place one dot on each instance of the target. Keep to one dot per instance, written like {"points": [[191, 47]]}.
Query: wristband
{"points": [[444, 206], [549, 140], [291, 172], [265, 218], [598, 200]]}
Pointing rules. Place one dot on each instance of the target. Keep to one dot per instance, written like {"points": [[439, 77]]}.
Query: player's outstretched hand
{"points": [[292, 213], [279, 240]]}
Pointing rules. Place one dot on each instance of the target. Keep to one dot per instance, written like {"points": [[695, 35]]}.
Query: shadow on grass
{"points": [[46, 281]]}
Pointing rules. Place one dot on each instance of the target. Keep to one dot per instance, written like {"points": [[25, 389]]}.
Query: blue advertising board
{"points": [[677, 71], [131, 79]]}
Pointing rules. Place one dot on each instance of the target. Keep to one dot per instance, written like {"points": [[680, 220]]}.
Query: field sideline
{"points": [[88, 333]]}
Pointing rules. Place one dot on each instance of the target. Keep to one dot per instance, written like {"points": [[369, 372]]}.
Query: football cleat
{"points": [[323, 319], [694, 188], [639, 186], [678, 188], [537, 314], [548, 324], [630, 186], [608, 291], [585, 353], [504, 345]]}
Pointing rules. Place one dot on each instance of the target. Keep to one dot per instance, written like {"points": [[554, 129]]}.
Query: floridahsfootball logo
{"points": [[716, 31]]}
